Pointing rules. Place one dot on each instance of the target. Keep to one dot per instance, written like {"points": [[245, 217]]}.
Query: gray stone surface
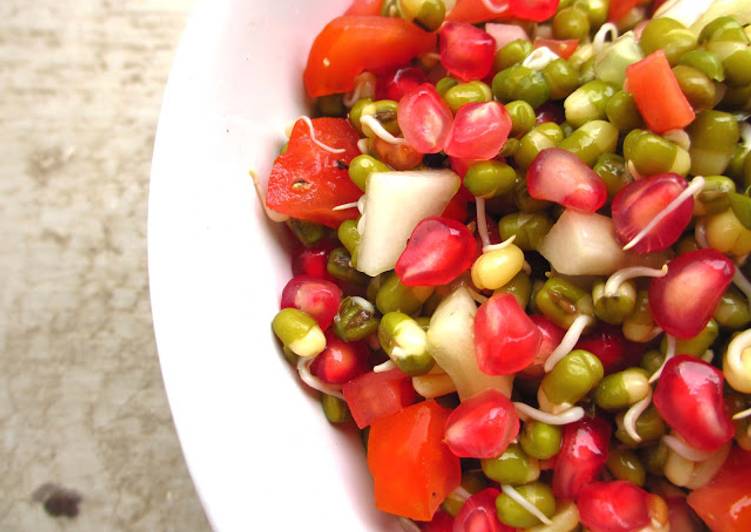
{"points": [[81, 398]]}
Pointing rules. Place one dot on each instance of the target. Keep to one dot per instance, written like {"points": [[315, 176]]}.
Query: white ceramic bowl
{"points": [[260, 451]]}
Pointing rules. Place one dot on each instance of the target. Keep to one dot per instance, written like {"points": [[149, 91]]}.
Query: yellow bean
{"points": [[495, 268], [725, 233]]}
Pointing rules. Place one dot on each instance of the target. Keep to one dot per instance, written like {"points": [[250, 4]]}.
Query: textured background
{"points": [[81, 399]]}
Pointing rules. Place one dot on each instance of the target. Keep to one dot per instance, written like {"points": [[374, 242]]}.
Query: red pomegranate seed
{"points": [[467, 52], [479, 132], [683, 301], [560, 176], [438, 251], [535, 10], [425, 119], [483, 426], [312, 262], [441, 522], [399, 83], [317, 297], [584, 451], [479, 514], [639, 202], [340, 362], [506, 339], [689, 398], [505, 33], [618, 506], [551, 337], [611, 347]]}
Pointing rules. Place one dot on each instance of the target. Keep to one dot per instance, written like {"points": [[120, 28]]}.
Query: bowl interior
{"points": [[260, 451]]}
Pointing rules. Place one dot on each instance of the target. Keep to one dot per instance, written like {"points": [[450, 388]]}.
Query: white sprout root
{"points": [[575, 413], [700, 234], [607, 29], [377, 128], [743, 414], [540, 58], [482, 222], [685, 450], [384, 367], [734, 367], [694, 187], [569, 341], [679, 137], [345, 206], [303, 368], [524, 503], [669, 353], [408, 525], [309, 123], [495, 247], [496, 10], [742, 283], [633, 172], [364, 88], [477, 296], [363, 145], [618, 278], [526, 268], [633, 414]]}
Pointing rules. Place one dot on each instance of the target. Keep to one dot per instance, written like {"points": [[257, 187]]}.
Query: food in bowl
{"points": [[522, 235]]}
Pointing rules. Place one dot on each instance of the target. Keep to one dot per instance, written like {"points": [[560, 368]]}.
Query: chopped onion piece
{"points": [[376, 127], [569, 341], [309, 123], [303, 368], [524, 503], [599, 39], [633, 413], [575, 413], [685, 450], [695, 186], [618, 278]]}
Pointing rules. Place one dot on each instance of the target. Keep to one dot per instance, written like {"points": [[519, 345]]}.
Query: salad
{"points": [[522, 230]]}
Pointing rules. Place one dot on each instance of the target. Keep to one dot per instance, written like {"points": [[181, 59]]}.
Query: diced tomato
{"points": [[474, 11], [349, 45], [564, 48], [307, 182], [725, 502], [620, 8], [375, 395], [365, 7], [413, 470], [658, 94]]}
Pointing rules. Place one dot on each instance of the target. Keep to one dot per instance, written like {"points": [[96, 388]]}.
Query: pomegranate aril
{"points": [[611, 347], [466, 52], [340, 362], [482, 426], [478, 514], [617, 506], [317, 297], [425, 119], [312, 262], [506, 339], [551, 338], [639, 202], [689, 397], [583, 454], [684, 300], [560, 176], [479, 131], [437, 252], [399, 83]]}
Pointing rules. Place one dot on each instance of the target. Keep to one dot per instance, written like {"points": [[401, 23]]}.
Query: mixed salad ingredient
{"points": [[522, 230]]}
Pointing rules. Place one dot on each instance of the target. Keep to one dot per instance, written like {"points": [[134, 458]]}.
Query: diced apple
{"points": [[585, 244], [451, 342], [395, 202]]}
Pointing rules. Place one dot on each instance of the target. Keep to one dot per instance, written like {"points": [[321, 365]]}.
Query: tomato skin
{"points": [[349, 45], [658, 95], [413, 470], [620, 8], [376, 395], [564, 48], [326, 184], [724, 504], [365, 7], [474, 11]]}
